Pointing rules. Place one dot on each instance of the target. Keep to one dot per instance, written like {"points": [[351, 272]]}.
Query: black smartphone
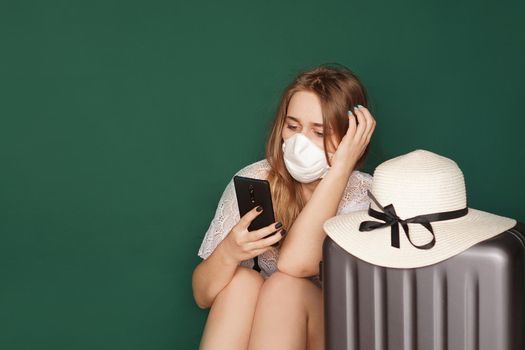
{"points": [[251, 193]]}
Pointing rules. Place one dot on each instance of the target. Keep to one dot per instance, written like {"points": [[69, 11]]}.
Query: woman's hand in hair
{"points": [[356, 139], [241, 244]]}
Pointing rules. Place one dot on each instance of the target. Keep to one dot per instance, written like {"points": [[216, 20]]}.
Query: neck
{"points": [[309, 188]]}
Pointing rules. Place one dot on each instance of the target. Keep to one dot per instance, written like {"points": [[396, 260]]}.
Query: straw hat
{"points": [[418, 215]]}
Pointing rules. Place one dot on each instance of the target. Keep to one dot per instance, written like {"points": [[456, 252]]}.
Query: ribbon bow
{"points": [[391, 219]]}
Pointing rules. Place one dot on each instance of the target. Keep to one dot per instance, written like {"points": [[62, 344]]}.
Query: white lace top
{"points": [[227, 214]]}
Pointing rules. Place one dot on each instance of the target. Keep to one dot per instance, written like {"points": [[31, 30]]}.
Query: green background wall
{"points": [[122, 122]]}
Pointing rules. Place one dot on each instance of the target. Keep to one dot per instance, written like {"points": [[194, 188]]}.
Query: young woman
{"points": [[318, 140]]}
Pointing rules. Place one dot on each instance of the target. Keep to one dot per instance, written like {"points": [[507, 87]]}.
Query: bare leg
{"points": [[315, 307], [288, 315], [230, 318]]}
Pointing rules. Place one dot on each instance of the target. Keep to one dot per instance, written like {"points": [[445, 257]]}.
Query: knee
{"points": [[246, 276], [282, 285], [245, 281]]}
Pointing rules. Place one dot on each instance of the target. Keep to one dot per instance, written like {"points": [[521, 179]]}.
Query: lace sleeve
{"points": [[226, 216], [355, 196]]}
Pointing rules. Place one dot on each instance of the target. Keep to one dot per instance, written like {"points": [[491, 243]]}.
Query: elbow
{"points": [[201, 305], [200, 301], [294, 269], [198, 296]]}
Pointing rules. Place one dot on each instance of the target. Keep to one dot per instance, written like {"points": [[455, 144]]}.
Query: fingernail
{"points": [[279, 224], [259, 208], [359, 106], [356, 107], [283, 232], [350, 113]]}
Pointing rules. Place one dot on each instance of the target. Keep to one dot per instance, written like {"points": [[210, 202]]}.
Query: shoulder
{"points": [[360, 178], [355, 196], [257, 170]]}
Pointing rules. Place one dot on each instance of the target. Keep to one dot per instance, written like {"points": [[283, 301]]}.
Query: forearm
{"points": [[211, 276], [301, 251]]}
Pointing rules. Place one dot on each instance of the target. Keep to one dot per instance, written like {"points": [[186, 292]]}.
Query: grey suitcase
{"points": [[471, 301]]}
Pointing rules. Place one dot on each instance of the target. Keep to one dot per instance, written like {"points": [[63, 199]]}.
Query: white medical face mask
{"points": [[304, 160]]}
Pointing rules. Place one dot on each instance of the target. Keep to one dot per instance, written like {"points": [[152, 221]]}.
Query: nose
{"points": [[296, 133]]}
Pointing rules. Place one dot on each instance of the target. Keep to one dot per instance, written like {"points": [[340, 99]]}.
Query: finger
{"points": [[369, 136], [260, 251], [264, 242], [362, 124], [263, 232], [352, 125], [247, 218], [370, 122]]}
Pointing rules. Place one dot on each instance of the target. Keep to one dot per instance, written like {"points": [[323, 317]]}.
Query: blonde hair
{"points": [[338, 89]]}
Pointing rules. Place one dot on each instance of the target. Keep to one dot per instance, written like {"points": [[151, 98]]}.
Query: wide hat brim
{"points": [[451, 237]]}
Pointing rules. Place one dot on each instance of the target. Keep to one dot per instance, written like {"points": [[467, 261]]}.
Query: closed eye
{"points": [[294, 127]]}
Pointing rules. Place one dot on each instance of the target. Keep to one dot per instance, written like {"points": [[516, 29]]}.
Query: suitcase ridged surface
{"points": [[472, 301]]}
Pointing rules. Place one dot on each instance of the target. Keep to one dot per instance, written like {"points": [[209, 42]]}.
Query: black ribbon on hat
{"points": [[391, 219]]}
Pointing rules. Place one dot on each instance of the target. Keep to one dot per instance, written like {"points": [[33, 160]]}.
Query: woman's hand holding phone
{"points": [[241, 244]]}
